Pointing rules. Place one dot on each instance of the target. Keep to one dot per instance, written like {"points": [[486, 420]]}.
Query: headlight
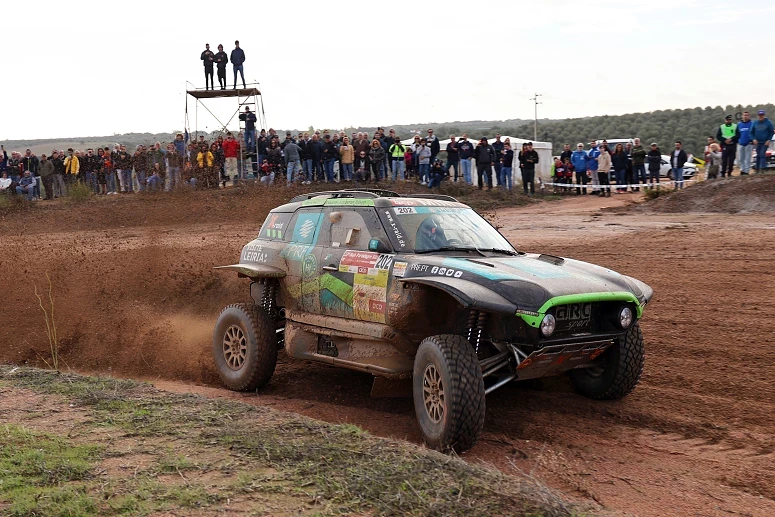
{"points": [[625, 317], [547, 325]]}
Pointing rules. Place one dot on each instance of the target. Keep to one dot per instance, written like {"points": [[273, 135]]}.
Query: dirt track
{"points": [[696, 438]]}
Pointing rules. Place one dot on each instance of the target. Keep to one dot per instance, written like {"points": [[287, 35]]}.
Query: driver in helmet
{"points": [[430, 234]]}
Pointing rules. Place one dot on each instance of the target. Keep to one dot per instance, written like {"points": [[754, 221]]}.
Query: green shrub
{"points": [[653, 193], [79, 193]]}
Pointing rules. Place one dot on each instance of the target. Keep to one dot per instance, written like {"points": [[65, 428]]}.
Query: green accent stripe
{"points": [[338, 288], [325, 201], [535, 321], [349, 202], [315, 201]]}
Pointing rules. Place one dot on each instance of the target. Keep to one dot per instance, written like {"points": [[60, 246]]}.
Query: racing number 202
{"points": [[384, 262]]}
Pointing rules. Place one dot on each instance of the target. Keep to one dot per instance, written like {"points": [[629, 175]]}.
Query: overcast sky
{"points": [[82, 68]]}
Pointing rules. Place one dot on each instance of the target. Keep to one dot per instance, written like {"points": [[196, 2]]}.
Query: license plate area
{"points": [[555, 359]]}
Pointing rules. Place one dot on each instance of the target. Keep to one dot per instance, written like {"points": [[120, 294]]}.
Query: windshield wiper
{"points": [[451, 248], [496, 250]]}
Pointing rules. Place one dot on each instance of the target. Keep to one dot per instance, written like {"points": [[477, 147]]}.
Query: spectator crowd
{"points": [[360, 158]]}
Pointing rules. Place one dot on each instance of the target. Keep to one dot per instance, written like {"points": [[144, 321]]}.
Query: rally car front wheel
{"points": [[244, 347], [619, 370], [448, 391]]}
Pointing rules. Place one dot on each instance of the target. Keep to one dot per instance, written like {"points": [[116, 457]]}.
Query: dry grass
{"points": [[265, 457]]}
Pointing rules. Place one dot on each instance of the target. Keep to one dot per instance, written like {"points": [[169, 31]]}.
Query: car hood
{"points": [[529, 282]]}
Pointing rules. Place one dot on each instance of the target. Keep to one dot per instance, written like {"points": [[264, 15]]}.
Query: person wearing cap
{"points": [[578, 159], [727, 135], [761, 135], [250, 128], [744, 144], [485, 157], [221, 60], [208, 59]]}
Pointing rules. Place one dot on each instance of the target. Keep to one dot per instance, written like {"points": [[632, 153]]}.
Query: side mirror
{"points": [[378, 246]]}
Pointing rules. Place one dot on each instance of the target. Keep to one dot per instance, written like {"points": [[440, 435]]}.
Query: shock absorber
{"points": [[480, 323], [472, 318]]}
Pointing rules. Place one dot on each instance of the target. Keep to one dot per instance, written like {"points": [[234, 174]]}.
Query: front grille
{"points": [[575, 318]]}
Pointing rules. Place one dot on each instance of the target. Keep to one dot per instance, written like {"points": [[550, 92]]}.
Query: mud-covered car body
{"points": [[359, 279]]}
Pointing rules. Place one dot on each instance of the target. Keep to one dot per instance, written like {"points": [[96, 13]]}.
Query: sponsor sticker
{"points": [[399, 269], [253, 253]]}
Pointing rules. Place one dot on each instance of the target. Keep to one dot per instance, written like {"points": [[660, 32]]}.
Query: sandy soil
{"points": [[696, 438]]}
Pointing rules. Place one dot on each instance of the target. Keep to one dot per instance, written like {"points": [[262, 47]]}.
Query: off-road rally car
{"points": [[421, 289]]}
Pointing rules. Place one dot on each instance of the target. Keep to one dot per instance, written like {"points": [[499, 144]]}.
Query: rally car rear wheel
{"points": [[619, 370], [244, 347], [448, 390]]}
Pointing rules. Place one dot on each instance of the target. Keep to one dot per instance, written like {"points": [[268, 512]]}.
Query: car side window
{"points": [[351, 228], [304, 226], [275, 226]]}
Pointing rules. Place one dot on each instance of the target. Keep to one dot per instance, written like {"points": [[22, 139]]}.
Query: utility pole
{"points": [[535, 120]]}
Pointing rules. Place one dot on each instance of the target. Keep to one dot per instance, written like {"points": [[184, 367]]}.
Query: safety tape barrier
{"points": [[614, 185]]}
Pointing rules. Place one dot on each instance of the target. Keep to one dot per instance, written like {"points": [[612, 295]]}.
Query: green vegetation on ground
{"points": [[186, 451]]}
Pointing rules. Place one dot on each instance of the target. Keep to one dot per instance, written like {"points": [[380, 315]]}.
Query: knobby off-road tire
{"points": [[448, 391], [622, 366], [244, 347]]}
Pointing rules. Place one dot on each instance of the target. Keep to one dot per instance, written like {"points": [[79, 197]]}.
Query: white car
{"points": [[665, 171]]}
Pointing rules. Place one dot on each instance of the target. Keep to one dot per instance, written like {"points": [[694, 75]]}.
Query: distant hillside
{"points": [[692, 126]]}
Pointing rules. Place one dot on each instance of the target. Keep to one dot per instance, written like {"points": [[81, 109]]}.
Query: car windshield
{"points": [[425, 228]]}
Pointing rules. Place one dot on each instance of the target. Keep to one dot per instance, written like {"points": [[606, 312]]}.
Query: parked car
{"points": [[665, 171], [422, 288]]}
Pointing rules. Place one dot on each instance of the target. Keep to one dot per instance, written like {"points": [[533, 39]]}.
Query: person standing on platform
{"points": [[237, 58], [250, 128], [221, 60], [208, 59]]}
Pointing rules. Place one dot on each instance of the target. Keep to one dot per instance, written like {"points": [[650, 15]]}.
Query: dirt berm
{"points": [[736, 195]]}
